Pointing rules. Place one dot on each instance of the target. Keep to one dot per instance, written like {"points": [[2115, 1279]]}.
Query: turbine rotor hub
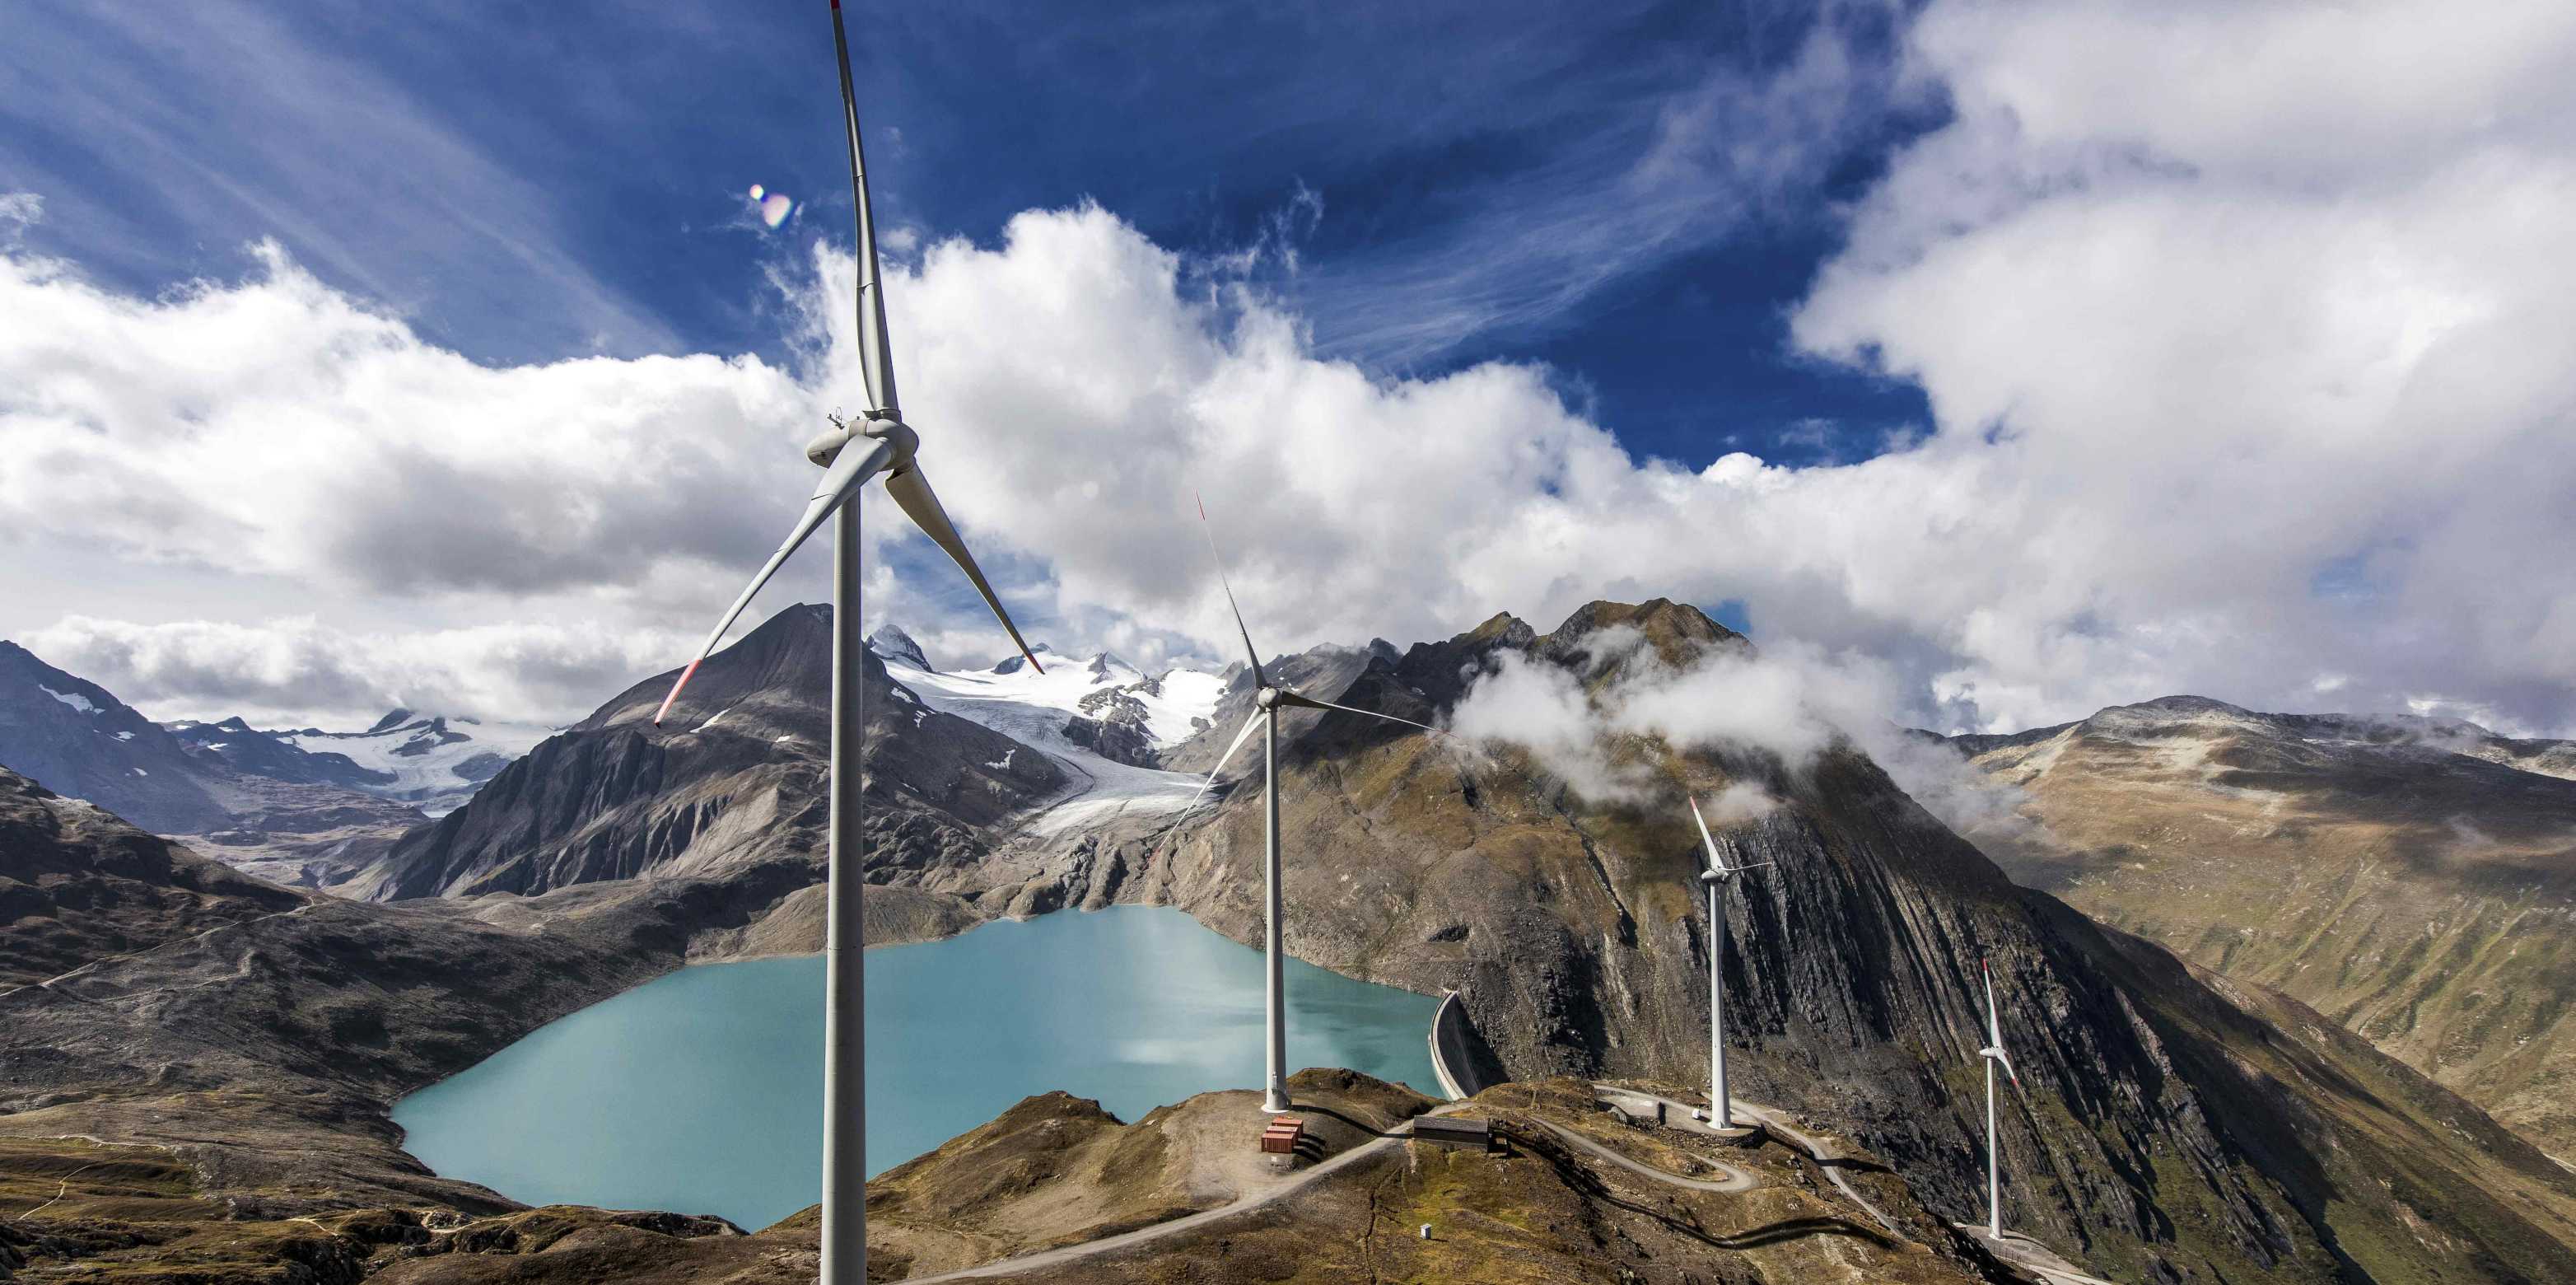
{"points": [[885, 427], [1266, 698], [882, 425]]}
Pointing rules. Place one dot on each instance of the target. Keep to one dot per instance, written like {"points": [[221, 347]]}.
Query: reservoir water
{"points": [[702, 1091]]}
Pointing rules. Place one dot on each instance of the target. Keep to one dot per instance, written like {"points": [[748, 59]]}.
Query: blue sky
{"points": [[1455, 182]]}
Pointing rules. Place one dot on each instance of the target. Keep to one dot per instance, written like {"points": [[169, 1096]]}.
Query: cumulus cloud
{"points": [[1793, 704], [2240, 325], [2242, 319]]}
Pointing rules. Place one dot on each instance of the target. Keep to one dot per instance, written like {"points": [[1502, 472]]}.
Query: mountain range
{"points": [[288, 815], [2172, 1124]]}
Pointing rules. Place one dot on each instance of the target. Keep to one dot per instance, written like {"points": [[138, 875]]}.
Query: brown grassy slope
{"points": [[1543, 1213], [2421, 897]]}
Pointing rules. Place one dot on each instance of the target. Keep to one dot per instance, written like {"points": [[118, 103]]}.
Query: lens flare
{"points": [[756, 191], [775, 208]]}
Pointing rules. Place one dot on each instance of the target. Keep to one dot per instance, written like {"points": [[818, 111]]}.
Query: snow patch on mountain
{"points": [[1035, 708], [73, 699], [436, 763]]}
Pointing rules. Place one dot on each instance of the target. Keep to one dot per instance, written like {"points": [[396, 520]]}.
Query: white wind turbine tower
{"points": [[881, 444], [1994, 1056], [1721, 1108], [1268, 698]]}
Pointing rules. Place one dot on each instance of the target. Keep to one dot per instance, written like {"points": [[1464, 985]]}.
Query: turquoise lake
{"points": [[701, 1091]]}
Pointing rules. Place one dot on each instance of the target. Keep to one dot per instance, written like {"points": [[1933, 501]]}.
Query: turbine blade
{"points": [[1994, 1019], [2009, 1073], [1715, 861], [1239, 738], [1250, 652], [912, 490], [876, 358], [849, 470], [1287, 697]]}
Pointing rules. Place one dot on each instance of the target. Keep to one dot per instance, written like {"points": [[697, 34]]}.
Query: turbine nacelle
{"points": [[1266, 698], [881, 426]]}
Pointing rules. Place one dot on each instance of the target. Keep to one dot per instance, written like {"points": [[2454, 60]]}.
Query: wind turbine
{"points": [[1721, 1110], [1268, 698], [851, 454], [1994, 1056]]}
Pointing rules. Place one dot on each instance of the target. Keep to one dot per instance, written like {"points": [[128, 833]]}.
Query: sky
{"points": [[2024, 359]]}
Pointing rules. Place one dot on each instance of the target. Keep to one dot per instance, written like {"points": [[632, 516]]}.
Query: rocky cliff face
{"points": [[2414, 880], [735, 778], [1575, 930]]}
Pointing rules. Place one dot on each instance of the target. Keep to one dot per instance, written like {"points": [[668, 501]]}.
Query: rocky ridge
{"points": [[733, 779]]}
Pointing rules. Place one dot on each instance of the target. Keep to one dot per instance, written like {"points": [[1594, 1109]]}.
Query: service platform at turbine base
{"points": [[1647, 1111], [2032, 1260], [1739, 1135]]}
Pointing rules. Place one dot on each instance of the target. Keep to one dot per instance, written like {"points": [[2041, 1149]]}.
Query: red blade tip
{"points": [[665, 711]]}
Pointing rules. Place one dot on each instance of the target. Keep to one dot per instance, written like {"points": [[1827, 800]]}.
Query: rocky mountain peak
{"points": [[395, 717], [1502, 627], [892, 643], [1677, 631], [1012, 664]]}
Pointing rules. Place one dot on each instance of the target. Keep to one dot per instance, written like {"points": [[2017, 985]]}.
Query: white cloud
{"points": [[292, 672], [1793, 701], [2255, 294], [2215, 414]]}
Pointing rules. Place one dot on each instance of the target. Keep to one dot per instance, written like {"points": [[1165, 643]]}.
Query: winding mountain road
{"points": [[1778, 1124], [1736, 1180]]}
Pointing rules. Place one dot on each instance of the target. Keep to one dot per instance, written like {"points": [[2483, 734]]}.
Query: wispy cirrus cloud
{"points": [[1610, 194], [150, 128]]}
